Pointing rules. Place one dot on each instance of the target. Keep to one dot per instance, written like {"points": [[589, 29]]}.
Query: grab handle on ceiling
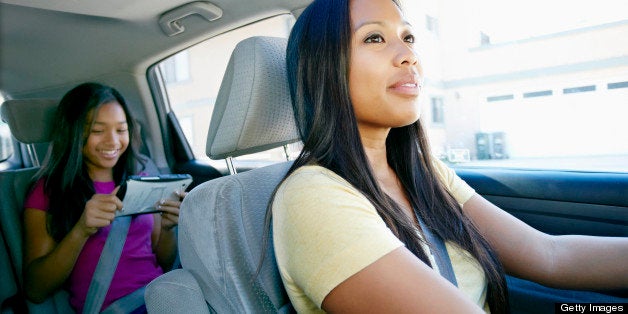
{"points": [[170, 21]]}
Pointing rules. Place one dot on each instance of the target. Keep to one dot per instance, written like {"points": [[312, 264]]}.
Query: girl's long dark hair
{"points": [[318, 55], [67, 183]]}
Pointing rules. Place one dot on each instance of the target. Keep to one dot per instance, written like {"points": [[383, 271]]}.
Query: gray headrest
{"points": [[30, 120], [253, 111]]}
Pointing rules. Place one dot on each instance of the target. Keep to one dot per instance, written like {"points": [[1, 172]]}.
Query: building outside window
{"points": [[6, 143], [431, 24], [438, 110], [485, 39], [176, 69]]}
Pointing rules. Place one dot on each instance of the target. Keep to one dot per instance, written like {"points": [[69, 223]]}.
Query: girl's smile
{"points": [[108, 139]]}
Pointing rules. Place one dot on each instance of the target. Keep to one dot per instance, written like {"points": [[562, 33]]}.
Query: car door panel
{"points": [[559, 203], [561, 217]]}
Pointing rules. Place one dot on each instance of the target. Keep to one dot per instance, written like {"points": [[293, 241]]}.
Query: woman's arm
{"points": [[398, 282], [48, 264], [571, 261]]}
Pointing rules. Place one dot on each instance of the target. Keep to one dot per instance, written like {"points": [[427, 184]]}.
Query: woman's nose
{"points": [[406, 56]]}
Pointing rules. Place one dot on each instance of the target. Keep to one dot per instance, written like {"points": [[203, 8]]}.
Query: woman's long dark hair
{"points": [[67, 183], [318, 55]]}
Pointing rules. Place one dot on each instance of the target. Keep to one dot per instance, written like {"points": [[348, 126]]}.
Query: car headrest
{"points": [[253, 110], [30, 120]]}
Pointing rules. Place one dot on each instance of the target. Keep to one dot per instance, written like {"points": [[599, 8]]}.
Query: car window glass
{"points": [[6, 141], [517, 84], [193, 76]]}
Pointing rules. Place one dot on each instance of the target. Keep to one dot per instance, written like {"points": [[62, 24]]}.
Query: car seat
{"points": [[31, 122], [8, 286], [222, 221]]}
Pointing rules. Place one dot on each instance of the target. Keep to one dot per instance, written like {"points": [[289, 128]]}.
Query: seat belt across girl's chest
{"points": [[107, 264]]}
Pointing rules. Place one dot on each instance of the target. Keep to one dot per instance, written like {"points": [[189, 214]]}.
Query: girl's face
{"points": [[108, 138], [385, 76]]}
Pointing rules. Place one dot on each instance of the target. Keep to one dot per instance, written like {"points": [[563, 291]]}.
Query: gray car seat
{"points": [[31, 122], [221, 225], [8, 285]]}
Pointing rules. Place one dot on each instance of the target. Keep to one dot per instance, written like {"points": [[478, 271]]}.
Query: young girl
{"points": [[346, 219], [68, 213]]}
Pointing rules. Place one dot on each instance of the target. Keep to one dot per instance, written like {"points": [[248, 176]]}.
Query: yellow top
{"points": [[324, 231]]}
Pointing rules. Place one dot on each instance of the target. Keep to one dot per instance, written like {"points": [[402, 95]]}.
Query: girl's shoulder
{"points": [[36, 197]]}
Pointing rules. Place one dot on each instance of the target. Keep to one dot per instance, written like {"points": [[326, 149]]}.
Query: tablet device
{"points": [[140, 193]]}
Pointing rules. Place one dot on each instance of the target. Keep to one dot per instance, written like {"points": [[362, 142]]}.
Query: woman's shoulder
{"points": [[441, 168], [316, 185], [313, 169], [314, 198], [313, 175]]}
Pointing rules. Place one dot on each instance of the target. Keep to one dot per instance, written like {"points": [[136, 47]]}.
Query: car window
{"points": [[193, 76], [499, 91], [514, 84], [6, 141]]}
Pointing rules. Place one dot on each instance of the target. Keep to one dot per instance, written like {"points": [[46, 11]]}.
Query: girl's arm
{"points": [[570, 261], [164, 243], [163, 237], [48, 264]]}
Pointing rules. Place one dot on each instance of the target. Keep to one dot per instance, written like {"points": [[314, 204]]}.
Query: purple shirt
{"points": [[136, 268]]}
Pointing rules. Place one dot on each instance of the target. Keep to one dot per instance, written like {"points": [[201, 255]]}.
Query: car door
{"points": [[559, 203]]}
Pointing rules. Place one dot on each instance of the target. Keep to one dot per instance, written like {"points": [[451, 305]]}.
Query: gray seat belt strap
{"points": [[440, 253], [127, 303], [107, 264]]}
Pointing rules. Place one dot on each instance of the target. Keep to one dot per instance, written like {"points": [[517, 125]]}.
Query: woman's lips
{"points": [[406, 87]]}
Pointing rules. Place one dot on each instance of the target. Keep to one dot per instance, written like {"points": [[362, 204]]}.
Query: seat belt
{"points": [[107, 264], [126, 303], [440, 253]]}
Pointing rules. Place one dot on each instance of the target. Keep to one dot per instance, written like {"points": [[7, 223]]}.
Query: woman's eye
{"points": [[97, 131], [375, 38], [122, 131], [409, 39]]}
